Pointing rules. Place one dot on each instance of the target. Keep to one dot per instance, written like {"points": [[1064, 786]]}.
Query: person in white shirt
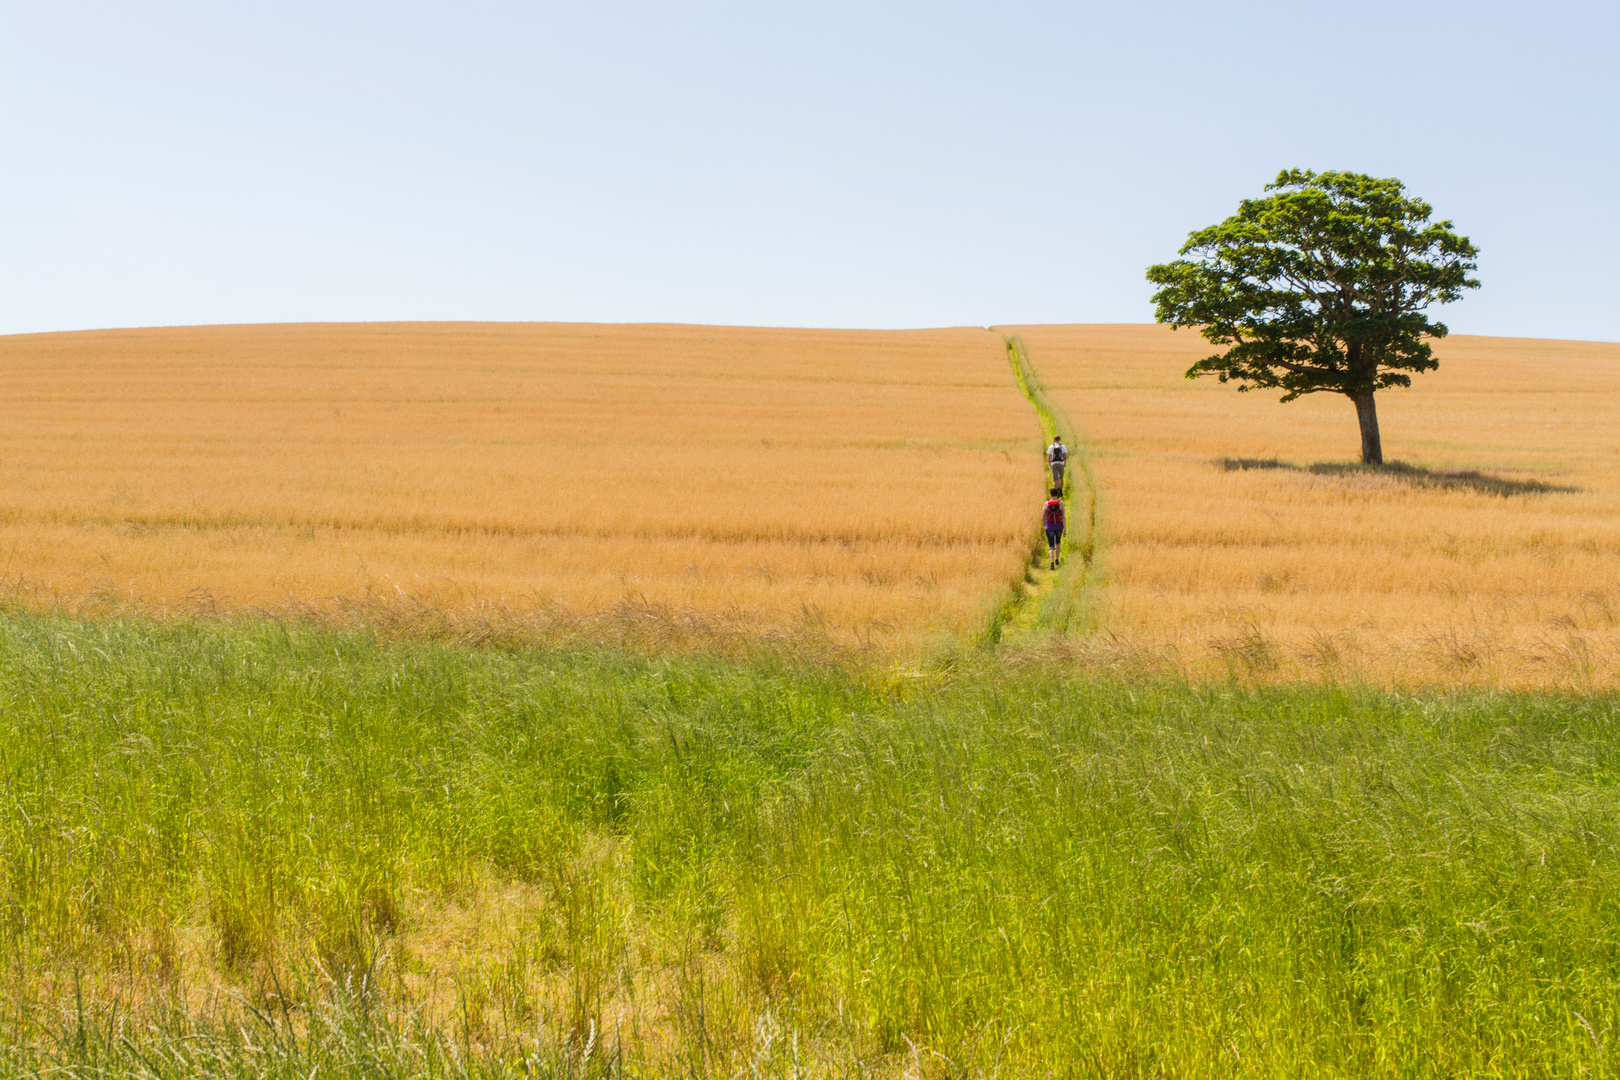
{"points": [[1057, 457]]}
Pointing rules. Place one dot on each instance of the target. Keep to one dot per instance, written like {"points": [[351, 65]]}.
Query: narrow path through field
{"points": [[1051, 601]]}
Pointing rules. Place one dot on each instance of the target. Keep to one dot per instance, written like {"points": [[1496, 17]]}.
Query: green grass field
{"points": [[263, 850]]}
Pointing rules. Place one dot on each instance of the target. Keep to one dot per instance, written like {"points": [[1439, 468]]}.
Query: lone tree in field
{"points": [[1320, 286]]}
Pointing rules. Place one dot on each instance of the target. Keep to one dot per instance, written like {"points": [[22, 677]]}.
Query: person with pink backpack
{"points": [[1052, 520]]}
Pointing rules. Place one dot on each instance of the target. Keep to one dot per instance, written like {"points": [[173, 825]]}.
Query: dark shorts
{"points": [[1053, 536]]}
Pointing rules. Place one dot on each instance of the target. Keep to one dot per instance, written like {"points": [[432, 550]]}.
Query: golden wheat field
{"points": [[1225, 549], [871, 482], [876, 484]]}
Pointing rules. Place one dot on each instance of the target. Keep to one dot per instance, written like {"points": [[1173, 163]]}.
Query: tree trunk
{"points": [[1372, 450]]}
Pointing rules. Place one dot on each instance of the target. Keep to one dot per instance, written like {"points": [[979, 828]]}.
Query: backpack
{"points": [[1053, 518], [1057, 452]]}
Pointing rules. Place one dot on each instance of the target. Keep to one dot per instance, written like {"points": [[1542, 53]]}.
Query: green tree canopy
{"points": [[1319, 286]]}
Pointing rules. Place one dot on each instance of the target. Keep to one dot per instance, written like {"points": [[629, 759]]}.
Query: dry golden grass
{"points": [[1278, 571], [867, 479]]}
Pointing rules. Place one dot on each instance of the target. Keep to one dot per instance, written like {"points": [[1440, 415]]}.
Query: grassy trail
{"points": [[1047, 601]]}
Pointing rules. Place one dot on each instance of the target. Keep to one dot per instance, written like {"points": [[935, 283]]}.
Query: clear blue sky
{"points": [[821, 164]]}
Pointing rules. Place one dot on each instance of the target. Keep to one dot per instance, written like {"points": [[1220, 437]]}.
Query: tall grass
{"points": [[250, 849]]}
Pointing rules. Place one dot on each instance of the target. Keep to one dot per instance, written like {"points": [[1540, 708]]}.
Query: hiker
{"points": [[1057, 457], [1052, 522]]}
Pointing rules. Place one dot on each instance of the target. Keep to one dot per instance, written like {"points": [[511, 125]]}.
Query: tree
{"points": [[1319, 287]]}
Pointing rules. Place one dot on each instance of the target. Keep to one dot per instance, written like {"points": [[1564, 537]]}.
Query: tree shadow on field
{"points": [[1413, 475]]}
